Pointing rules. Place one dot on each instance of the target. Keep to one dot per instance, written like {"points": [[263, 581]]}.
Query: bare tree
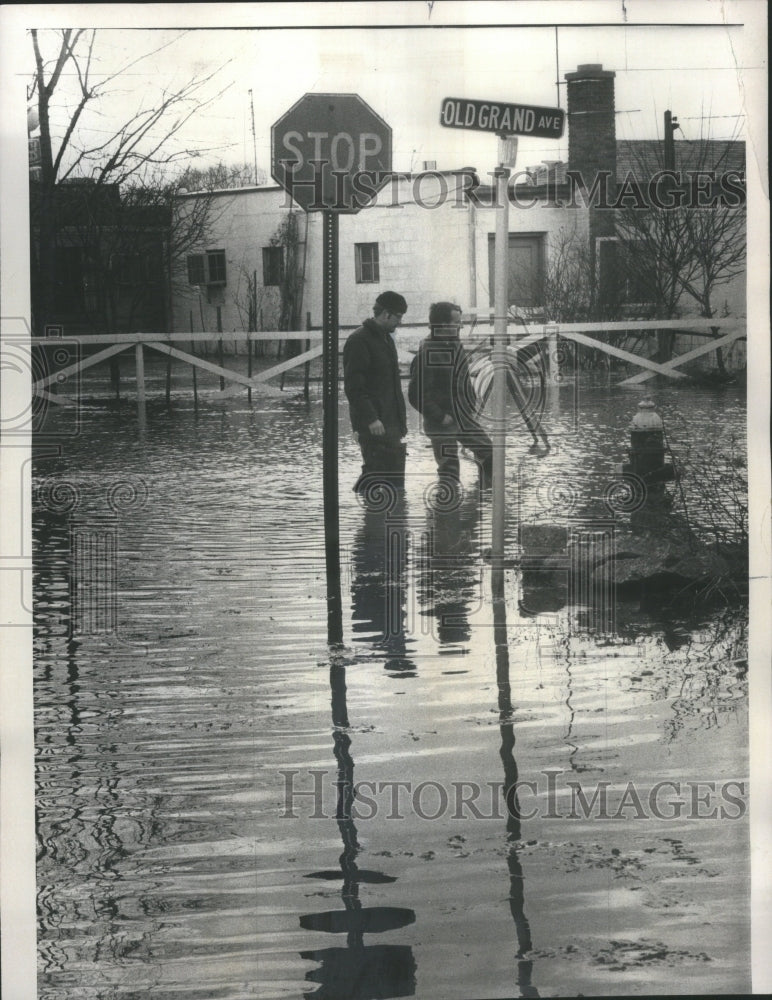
{"points": [[139, 142], [717, 239], [569, 279], [655, 249], [287, 236], [576, 290], [690, 248], [222, 176], [110, 194]]}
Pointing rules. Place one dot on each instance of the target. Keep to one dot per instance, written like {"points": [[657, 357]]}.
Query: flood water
{"points": [[192, 724]]}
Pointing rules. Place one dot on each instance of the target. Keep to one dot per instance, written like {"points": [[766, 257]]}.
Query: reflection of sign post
{"points": [[506, 121], [331, 153]]}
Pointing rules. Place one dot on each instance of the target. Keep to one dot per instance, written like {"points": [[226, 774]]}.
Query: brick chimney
{"points": [[591, 149], [591, 125]]}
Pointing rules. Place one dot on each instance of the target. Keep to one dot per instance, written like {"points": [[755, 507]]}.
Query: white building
{"points": [[428, 236]]}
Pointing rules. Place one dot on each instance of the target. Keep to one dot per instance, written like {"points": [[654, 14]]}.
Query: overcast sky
{"points": [[404, 72]]}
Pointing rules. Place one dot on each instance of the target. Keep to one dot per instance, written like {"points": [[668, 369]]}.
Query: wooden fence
{"points": [[718, 334]]}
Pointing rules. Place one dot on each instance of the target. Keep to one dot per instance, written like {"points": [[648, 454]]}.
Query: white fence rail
{"points": [[719, 334]]}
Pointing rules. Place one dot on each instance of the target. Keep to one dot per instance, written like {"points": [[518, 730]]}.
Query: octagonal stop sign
{"points": [[331, 151]]}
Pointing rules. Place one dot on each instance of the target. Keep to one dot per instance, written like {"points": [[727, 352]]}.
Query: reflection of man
{"points": [[374, 392], [379, 587], [441, 390], [448, 584]]}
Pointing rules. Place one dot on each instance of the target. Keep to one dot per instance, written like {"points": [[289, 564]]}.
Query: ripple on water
{"points": [[167, 863]]}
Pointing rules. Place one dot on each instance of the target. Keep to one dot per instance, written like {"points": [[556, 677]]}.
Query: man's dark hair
{"points": [[391, 302], [442, 312]]}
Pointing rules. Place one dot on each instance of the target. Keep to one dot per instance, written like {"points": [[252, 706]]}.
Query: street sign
{"points": [[331, 152], [504, 119]]}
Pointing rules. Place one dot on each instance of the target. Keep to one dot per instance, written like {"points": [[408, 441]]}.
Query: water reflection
{"points": [[154, 807], [358, 971], [507, 753], [447, 581], [379, 562]]}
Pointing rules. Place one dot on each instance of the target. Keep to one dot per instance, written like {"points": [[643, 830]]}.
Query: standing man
{"points": [[441, 390], [374, 392]]}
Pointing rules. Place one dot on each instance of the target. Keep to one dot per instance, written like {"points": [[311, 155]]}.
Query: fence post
{"points": [[195, 384], [220, 355], [140, 368], [307, 367], [169, 379], [553, 365], [249, 366], [115, 376]]}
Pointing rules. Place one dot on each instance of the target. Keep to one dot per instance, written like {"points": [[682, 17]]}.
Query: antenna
{"points": [[254, 139]]}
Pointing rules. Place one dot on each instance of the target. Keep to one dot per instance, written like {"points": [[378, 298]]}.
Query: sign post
{"points": [[499, 359], [331, 153], [330, 425]]}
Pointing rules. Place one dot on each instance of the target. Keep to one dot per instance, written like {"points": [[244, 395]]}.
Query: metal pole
{"points": [[669, 143], [499, 358], [330, 430]]}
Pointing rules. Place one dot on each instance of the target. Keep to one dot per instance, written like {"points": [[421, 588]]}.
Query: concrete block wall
{"points": [[422, 252]]}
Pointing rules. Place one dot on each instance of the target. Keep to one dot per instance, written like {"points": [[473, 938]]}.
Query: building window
{"points": [[207, 269], [367, 271], [526, 270], [215, 260], [196, 269], [273, 265]]}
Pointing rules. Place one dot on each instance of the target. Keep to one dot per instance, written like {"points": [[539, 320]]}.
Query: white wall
{"points": [[243, 223]]}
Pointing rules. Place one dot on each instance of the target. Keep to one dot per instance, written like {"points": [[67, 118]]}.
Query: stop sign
{"points": [[331, 151]]}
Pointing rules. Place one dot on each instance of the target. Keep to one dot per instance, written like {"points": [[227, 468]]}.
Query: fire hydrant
{"points": [[647, 450]]}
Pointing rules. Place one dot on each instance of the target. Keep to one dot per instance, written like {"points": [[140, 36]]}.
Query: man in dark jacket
{"points": [[441, 390], [374, 392]]}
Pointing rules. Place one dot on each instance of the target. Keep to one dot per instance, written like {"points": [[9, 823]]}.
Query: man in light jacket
{"points": [[441, 390]]}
